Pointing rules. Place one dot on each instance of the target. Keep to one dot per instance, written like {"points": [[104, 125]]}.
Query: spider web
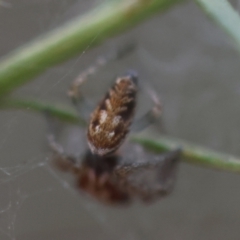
{"points": [[38, 202], [17, 178]]}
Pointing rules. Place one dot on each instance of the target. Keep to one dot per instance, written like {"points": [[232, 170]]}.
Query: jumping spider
{"points": [[102, 172]]}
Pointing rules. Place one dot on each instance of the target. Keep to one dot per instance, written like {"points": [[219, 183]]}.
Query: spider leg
{"points": [[74, 92], [151, 116], [62, 160], [166, 161], [165, 167]]}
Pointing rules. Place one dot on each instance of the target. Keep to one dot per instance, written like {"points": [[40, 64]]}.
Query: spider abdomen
{"points": [[110, 122]]}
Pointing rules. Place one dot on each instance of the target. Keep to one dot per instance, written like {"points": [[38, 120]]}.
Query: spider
{"points": [[103, 172]]}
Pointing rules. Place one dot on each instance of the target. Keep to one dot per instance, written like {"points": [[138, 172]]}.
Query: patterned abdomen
{"points": [[110, 122]]}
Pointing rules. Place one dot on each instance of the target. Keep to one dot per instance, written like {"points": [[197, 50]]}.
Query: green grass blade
{"points": [[107, 20], [192, 153], [224, 15], [64, 113]]}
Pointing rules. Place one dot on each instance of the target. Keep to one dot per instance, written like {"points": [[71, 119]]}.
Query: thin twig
{"points": [[191, 153], [62, 112]]}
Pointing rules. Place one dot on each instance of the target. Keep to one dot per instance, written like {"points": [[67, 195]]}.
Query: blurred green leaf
{"points": [[83, 32], [224, 15]]}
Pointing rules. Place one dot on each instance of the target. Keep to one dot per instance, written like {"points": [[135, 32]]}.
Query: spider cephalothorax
{"points": [[110, 122]]}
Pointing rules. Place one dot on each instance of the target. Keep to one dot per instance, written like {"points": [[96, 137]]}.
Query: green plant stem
{"points": [[61, 112], [73, 38], [191, 153], [224, 15]]}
